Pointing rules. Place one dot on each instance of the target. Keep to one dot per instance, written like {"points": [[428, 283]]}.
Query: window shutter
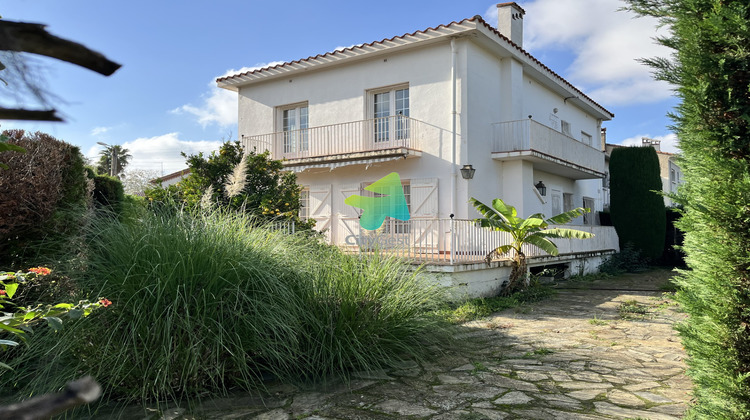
{"points": [[424, 198], [348, 219], [320, 207]]}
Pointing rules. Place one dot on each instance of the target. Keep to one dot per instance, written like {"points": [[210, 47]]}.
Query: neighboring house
{"points": [[172, 178], [425, 105], [670, 172]]}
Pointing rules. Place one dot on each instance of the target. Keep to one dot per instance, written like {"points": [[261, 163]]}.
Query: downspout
{"points": [[453, 127]]}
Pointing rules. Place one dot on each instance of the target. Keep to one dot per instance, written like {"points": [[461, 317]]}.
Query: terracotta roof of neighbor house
{"points": [[173, 175], [476, 18]]}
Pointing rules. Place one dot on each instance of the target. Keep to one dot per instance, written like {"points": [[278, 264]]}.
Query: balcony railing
{"points": [[529, 135], [337, 139], [454, 241]]}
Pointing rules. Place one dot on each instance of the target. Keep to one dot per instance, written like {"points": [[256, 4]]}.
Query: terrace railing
{"points": [[523, 135], [374, 134], [453, 241]]}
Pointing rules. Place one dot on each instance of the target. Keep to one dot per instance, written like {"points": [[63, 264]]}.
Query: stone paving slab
{"points": [[574, 356]]}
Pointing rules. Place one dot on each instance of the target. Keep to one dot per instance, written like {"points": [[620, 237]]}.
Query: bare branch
{"points": [[34, 38], [28, 115]]}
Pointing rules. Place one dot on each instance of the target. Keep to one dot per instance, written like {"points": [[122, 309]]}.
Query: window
{"points": [[565, 127], [586, 138], [304, 204], [605, 180], [390, 114], [294, 124]]}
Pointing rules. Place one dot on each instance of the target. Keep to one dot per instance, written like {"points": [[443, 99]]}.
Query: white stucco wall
{"points": [[490, 89], [540, 103]]}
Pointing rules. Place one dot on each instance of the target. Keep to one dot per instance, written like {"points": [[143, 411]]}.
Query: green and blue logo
{"points": [[389, 201]]}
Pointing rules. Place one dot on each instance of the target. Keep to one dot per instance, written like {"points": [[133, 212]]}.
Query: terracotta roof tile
{"points": [[476, 18]]}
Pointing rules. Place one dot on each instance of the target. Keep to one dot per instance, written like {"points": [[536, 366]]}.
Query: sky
{"points": [[164, 99]]}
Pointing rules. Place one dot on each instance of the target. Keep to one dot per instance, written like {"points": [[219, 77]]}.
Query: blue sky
{"points": [[164, 100]]}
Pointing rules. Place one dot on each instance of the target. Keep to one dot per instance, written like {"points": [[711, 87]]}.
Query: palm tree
{"points": [[532, 230], [105, 159]]}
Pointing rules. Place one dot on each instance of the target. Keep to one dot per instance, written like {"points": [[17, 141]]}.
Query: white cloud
{"points": [[160, 153], [669, 142], [219, 106], [605, 42], [98, 131]]}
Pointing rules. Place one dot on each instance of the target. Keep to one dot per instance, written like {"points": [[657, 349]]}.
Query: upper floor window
{"points": [[565, 128], [294, 124], [390, 112], [586, 138]]}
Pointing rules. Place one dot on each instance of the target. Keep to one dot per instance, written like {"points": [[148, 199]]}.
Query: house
{"points": [[434, 105], [669, 170], [172, 178]]}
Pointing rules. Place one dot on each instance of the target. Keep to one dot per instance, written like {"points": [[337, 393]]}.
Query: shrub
{"points": [[637, 211], [710, 68], [109, 193], [628, 260], [45, 192], [208, 303]]}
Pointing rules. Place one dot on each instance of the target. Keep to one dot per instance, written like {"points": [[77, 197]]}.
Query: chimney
{"points": [[646, 142], [510, 21]]}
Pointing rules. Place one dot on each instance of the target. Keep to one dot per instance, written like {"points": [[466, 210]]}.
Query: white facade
{"points": [[423, 105]]}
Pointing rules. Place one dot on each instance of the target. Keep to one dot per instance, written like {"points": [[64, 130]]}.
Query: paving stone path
{"points": [[584, 354]]}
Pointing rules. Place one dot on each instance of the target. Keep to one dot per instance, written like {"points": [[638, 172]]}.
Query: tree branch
{"points": [[34, 38], [28, 115]]}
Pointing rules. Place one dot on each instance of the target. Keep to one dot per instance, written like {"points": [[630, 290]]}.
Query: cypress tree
{"points": [[710, 67], [637, 211]]}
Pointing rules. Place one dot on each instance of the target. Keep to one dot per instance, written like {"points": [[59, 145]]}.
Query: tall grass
{"points": [[207, 303]]}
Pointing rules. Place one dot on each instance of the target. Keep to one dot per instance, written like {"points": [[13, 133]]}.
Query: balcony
{"points": [[334, 145], [550, 150]]}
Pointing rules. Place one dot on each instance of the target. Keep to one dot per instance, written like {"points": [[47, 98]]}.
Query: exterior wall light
{"points": [[541, 188], [467, 172]]}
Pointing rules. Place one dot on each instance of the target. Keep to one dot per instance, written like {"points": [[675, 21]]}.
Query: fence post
{"points": [[453, 240]]}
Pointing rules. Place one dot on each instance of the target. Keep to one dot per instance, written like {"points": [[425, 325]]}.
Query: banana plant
{"points": [[534, 230]]}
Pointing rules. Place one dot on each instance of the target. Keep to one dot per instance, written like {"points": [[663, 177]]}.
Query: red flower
{"points": [[105, 302], [42, 271], [3, 293]]}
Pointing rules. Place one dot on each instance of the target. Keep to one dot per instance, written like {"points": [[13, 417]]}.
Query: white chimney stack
{"points": [[647, 142], [510, 21]]}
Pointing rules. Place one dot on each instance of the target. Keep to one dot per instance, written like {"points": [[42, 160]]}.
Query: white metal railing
{"points": [[531, 135], [284, 226], [453, 241], [349, 137]]}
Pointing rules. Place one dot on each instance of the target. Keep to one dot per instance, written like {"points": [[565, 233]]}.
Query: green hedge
{"points": [[109, 192], [45, 195], [710, 68], [637, 212]]}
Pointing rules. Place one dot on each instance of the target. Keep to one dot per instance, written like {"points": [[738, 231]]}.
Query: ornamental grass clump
{"points": [[207, 303]]}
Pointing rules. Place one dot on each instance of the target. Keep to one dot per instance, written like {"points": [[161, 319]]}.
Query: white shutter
{"points": [[345, 210], [424, 212], [424, 198], [348, 216], [320, 207]]}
